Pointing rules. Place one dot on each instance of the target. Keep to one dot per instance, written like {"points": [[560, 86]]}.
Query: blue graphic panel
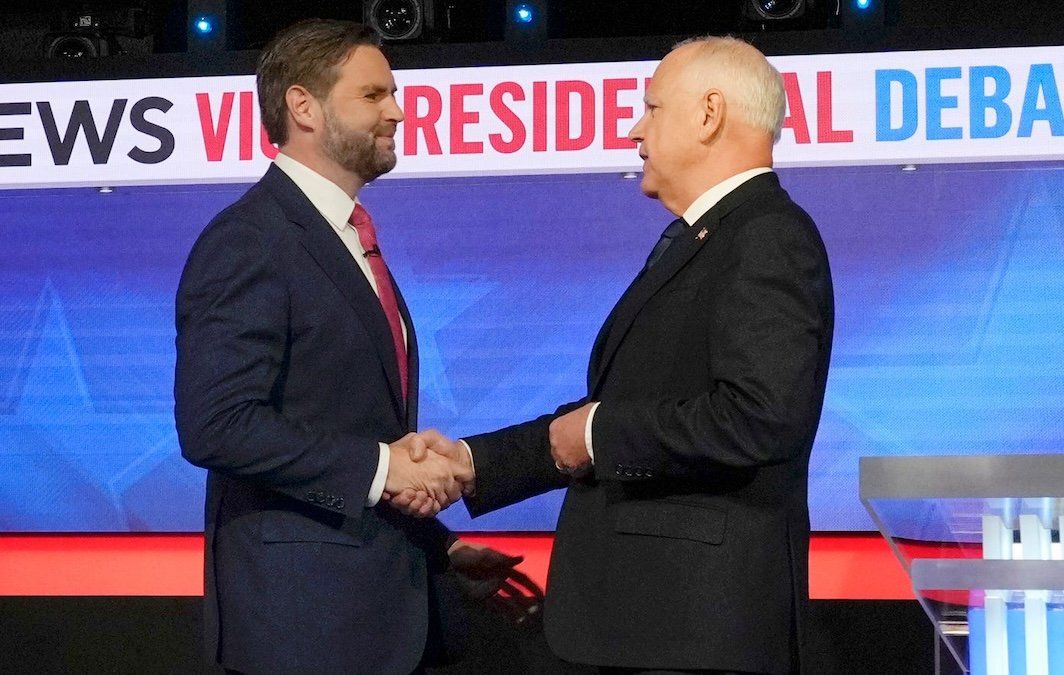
{"points": [[949, 288]]}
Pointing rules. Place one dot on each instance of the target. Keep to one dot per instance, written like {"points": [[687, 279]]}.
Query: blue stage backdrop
{"points": [[949, 285]]}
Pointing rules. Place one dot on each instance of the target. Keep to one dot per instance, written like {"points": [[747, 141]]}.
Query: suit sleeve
{"points": [[769, 325], [232, 332], [514, 463]]}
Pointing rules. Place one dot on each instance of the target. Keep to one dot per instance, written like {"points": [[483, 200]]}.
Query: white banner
{"points": [[886, 108]]}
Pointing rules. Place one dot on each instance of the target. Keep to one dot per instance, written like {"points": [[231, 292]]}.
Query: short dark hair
{"points": [[307, 53]]}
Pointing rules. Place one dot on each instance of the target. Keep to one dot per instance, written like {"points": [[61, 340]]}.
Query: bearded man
{"points": [[296, 387]]}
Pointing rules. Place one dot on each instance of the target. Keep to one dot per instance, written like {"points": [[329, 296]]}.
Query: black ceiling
{"points": [[579, 30]]}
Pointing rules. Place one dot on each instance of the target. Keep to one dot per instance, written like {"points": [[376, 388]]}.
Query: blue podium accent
{"points": [[1016, 642]]}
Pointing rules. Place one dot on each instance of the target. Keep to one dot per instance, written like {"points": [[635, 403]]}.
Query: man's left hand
{"points": [[567, 444], [482, 571]]}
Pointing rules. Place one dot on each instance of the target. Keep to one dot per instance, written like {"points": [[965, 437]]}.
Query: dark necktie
{"points": [[671, 232], [367, 236]]}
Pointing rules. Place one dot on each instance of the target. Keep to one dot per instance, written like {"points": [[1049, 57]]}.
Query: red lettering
{"points": [[539, 117], [247, 131], [214, 134], [460, 117], [795, 119], [268, 149], [825, 133], [508, 117], [613, 113], [585, 94], [426, 124]]}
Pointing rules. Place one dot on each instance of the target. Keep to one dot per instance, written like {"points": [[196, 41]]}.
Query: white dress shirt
{"points": [[336, 206], [696, 210]]}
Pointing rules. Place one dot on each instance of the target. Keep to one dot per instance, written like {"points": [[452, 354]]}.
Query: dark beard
{"points": [[356, 151]]}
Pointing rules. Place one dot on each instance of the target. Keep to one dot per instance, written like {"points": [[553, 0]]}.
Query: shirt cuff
{"points": [[587, 431], [469, 451], [376, 488]]}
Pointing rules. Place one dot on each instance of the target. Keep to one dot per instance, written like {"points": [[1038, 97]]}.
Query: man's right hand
{"points": [[433, 479], [425, 446]]}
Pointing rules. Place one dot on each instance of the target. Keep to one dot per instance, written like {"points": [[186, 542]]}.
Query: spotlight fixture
{"points": [[203, 25], [526, 20], [775, 10], [524, 13], [787, 14], [398, 20], [206, 30], [93, 32], [79, 36]]}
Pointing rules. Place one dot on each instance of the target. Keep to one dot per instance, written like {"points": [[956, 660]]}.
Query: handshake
{"points": [[427, 472]]}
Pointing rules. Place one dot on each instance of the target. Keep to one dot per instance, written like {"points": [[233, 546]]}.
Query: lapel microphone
{"points": [[376, 250]]}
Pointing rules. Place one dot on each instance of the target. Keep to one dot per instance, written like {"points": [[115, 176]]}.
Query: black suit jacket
{"points": [[687, 547], [286, 381]]}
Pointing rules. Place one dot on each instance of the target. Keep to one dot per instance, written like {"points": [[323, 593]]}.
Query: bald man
{"points": [[682, 543]]}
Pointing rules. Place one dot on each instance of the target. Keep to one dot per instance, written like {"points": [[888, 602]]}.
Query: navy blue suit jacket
{"points": [[286, 381]]}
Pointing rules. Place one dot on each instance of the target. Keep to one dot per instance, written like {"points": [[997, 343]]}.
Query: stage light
{"points": [[524, 13], [81, 35], [776, 10], [397, 20], [789, 14], [203, 25], [526, 21], [863, 4]]}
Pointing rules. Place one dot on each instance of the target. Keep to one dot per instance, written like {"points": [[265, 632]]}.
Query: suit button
{"points": [[339, 504], [639, 473]]}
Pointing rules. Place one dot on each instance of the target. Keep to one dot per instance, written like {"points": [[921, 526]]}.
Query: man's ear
{"points": [[303, 109], [711, 115]]}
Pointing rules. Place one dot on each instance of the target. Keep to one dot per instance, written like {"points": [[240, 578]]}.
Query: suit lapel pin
{"points": [[702, 234]]}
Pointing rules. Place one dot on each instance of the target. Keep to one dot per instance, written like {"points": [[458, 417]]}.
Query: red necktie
{"points": [[367, 236]]}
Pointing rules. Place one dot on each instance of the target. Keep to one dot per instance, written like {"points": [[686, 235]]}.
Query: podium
{"points": [[980, 537]]}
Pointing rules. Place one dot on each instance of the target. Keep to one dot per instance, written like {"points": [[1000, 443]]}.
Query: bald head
{"points": [[751, 86], [713, 110]]}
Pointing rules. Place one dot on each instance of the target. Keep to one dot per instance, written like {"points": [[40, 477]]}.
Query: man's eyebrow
{"points": [[378, 89]]}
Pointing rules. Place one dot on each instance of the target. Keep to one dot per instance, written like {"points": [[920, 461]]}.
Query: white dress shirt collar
{"points": [[326, 196], [710, 197]]}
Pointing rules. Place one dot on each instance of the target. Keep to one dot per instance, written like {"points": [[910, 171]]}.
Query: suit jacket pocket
{"points": [[672, 520], [289, 527]]}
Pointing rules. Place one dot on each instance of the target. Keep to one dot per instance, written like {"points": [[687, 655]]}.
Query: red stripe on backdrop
{"points": [[842, 566]]}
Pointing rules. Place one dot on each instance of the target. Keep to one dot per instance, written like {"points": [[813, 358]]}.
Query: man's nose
{"points": [[636, 133], [393, 112]]}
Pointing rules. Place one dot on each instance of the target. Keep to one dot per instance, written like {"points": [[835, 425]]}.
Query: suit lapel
{"points": [[641, 290], [675, 257], [329, 252]]}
